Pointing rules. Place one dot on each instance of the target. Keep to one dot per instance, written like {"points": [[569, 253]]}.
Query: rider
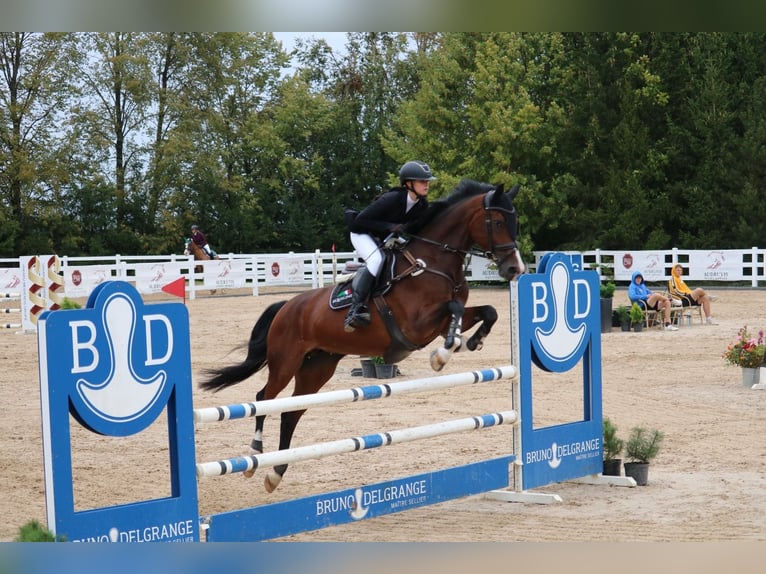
{"points": [[200, 240], [385, 215]]}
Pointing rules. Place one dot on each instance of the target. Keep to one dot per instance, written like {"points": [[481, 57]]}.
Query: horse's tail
{"points": [[256, 355]]}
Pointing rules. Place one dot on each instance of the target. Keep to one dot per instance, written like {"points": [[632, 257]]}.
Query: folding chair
{"points": [[650, 315], [686, 310]]}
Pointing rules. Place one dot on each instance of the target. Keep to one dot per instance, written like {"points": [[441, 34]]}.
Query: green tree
{"points": [[486, 110], [340, 149], [229, 139], [110, 122], [168, 54], [36, 85]]}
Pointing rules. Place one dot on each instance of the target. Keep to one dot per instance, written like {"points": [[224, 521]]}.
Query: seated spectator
{"points": [[639, 293], [689, 297]]}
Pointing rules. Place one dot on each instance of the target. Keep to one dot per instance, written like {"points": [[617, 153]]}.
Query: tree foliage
{"points": [[118, 142]]}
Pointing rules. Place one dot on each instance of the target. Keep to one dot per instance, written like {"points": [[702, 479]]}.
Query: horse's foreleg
{"points": [[315, 371], [484, 314], [452, 339]]}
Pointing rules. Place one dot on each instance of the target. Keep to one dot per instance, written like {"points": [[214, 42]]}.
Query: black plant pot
{"points": [[612, 467], [625, 326], [368, 369], [385, 371], [638, 327], [606, 314], [638, 471]]}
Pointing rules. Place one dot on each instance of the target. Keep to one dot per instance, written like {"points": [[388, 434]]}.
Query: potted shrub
{"points": [[607, 290], [613, 446], [642, 447], [607, 293], [622, 316], [67, 303], [747, 352], [637, 317]]}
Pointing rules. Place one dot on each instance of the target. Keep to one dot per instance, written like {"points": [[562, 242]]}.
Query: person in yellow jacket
{"points": [[689, 297]]}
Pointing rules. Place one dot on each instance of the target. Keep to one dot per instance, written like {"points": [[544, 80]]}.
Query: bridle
{"points": [[489, 253], [417, 266], [507, 214]]}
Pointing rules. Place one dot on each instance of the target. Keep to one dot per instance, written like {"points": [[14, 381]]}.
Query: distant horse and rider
{"points": [[421, 295], [198, 246]]}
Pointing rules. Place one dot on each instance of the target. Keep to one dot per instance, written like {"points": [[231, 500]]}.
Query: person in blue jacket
{"points": [[638, 292]]}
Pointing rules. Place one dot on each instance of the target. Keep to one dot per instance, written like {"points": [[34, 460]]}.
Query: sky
{"points": [[336, 40]]}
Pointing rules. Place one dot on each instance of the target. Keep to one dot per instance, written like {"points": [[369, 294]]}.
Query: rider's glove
{"points": [[393, 240]]}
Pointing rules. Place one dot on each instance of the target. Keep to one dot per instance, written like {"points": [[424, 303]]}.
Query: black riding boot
{"points": [[359, 314]]}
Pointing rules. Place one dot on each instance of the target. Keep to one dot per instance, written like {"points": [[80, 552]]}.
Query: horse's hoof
{"points": [[271, 482], [474, 345], [256, 447], [439, 358]]}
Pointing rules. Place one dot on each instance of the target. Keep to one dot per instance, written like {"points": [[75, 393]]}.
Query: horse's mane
{"points": [[463, 190]]}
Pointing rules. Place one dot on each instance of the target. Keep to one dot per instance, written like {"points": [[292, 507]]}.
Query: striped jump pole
{"points": [[321, 450], [300, 402], [10, 325], [10, 295]]}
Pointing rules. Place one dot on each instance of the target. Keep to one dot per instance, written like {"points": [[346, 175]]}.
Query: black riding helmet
{"points": [[415, 170]]}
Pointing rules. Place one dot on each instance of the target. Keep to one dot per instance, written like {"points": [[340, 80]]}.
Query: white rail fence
{"points": [[149, 273]]}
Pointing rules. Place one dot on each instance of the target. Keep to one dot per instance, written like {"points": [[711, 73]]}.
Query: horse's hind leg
{"points": [[256, 445], [452, 339], [316, 370]]}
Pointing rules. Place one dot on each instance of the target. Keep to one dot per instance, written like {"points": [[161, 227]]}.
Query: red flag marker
{"points": [[177, 288]]}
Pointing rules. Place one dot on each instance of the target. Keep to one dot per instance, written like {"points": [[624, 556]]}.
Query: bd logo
{"points": [[118, 358], [560, 312]]}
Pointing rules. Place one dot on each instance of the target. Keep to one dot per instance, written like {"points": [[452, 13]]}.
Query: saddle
{"points": [[340, 296]]}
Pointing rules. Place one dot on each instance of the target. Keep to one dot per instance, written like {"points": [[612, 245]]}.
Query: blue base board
{"points": [[341, 507]]}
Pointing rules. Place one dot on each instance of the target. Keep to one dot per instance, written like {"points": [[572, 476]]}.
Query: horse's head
{"points": [[501, 224], [481, 214], [187, 246]]}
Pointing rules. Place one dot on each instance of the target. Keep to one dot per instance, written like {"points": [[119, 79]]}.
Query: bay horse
{"points": [[304, 337], [191, 248]]}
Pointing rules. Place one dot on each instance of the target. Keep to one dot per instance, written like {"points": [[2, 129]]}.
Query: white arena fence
{"points": [[43, 281], [149, 273]]}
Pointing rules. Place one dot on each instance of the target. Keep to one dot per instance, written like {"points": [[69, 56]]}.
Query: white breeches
{"points": [[368, 250]]}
